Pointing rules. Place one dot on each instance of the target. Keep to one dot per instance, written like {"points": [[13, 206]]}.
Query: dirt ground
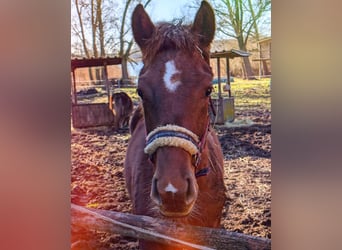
{"points": [[97, 156]]}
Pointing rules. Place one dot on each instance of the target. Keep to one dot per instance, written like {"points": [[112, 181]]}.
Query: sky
{"points": [[166, 10]]}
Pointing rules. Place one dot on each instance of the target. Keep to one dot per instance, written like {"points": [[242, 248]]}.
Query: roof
{"points": [[265, 39], [94, 62], [229, 53]]}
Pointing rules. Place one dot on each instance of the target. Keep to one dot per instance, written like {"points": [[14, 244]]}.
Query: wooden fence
{"points": [[91, 115], [166, 232]]}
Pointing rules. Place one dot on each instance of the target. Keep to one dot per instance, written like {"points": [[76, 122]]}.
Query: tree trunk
{"points": [[248, 69], [93, 28], [100, 28], [124, 68], [94, 20], [122, 52], [166, 232], [248, 72]]}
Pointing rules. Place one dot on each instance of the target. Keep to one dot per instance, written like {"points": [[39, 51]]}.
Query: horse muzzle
{"points": [[174, 200], [174, 188]]}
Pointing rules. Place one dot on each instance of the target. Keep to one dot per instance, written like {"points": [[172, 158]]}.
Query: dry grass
{"points": [[249, 93]]}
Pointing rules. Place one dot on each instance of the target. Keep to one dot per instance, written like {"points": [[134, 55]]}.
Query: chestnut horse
{"points": [[174, 161]]}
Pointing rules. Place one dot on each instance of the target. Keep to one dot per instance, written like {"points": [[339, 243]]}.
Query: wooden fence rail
{"points": [[162, 231]]}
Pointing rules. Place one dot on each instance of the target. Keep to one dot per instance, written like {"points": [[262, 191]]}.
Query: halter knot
{"points": [[172, 135]]}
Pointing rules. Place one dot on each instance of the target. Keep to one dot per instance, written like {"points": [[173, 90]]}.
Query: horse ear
{"points": [[204, 24], [142, 26]]}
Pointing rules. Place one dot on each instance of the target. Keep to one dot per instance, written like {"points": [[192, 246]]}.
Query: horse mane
{"points": [[172, 35]]}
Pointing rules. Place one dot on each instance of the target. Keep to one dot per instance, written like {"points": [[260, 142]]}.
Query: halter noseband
{"points": [[176, 136], [172, 135]]}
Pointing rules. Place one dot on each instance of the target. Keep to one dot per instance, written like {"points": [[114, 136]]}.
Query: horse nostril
{"points": [[154, 192], [191, 194]]}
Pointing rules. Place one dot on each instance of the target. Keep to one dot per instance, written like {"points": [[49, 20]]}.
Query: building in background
{"points": [[264, 59]]}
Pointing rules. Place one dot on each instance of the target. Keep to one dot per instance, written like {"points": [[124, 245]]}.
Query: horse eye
{"points": [[208, 92], [140, 93]]}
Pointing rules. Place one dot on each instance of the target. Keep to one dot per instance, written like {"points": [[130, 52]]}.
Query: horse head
{"points": [[175, 86]]}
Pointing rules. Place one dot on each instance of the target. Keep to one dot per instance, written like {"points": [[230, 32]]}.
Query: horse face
{"points": [[175, 95], [174, 85]]}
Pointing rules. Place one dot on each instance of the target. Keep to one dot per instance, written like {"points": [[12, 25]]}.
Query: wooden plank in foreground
{"points": [[162, 231]]}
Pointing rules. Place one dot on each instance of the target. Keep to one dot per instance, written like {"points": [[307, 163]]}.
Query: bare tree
{"points": [[92, 24], [79, 30], [126, 41], [124, 52], [103, 27], [239, 19]]}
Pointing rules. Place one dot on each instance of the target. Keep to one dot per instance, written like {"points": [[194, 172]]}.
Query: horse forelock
{"points": [[168, 36]]}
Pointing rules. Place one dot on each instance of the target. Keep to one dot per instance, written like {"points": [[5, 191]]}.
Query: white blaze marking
{"points": [[171, 188], [170, 71]]}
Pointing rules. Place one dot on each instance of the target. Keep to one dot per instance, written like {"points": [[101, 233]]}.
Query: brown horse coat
{"points": [[175, 85]]}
